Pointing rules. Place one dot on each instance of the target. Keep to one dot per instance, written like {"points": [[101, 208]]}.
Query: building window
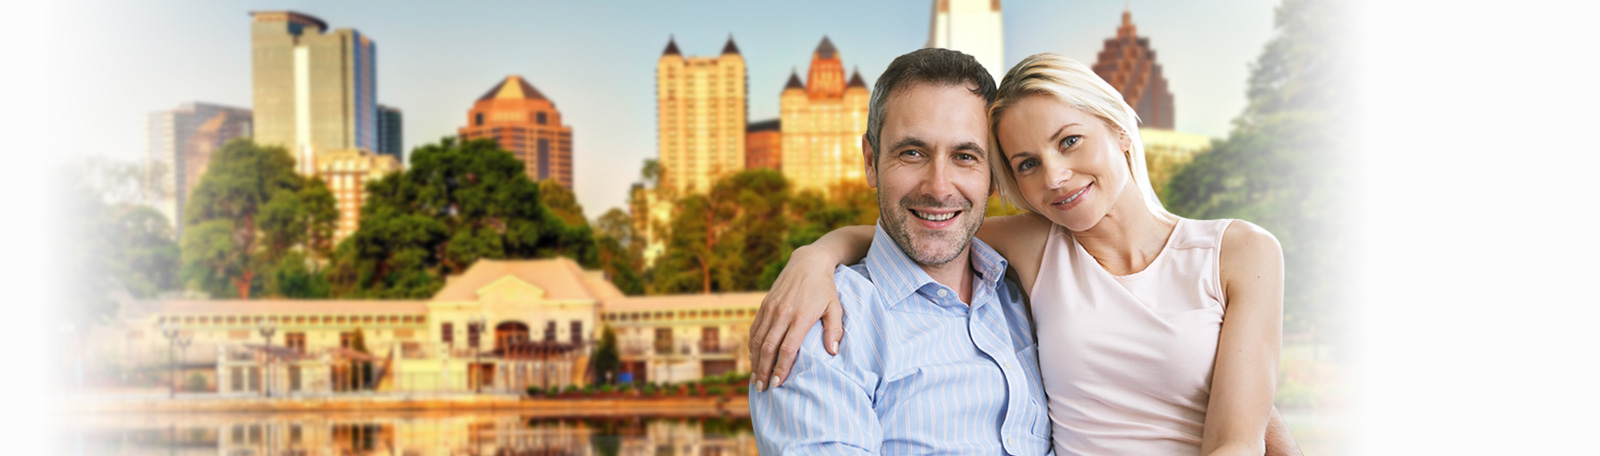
{"points": [[544, 158], [472, 334], [447, 333], [577, 331], [295, 341], [478, 119], [542, 119], [550, 331], [710, 342], [663, 341]]}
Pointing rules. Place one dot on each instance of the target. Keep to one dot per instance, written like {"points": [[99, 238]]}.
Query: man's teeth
{"points": [[935, 217]]}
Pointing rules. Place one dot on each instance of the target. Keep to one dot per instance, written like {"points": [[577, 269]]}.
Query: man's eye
{"points": [[913, 153], [966, 157], [1070, 141]]}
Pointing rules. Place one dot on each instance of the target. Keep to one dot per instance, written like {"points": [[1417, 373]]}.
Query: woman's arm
{"points": [[1246, 374], [803, 292], [1020, 240]]}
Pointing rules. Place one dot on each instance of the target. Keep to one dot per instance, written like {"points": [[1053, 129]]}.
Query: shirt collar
{"points": [[897, 276]]}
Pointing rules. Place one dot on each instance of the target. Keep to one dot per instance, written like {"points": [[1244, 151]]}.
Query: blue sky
{"points": [[596, 60]]}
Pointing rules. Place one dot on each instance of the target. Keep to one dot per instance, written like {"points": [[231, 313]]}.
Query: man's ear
{"points": [[869, 160]]}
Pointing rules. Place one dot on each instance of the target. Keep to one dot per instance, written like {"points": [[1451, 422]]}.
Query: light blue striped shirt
{"points": [[918, 371]]}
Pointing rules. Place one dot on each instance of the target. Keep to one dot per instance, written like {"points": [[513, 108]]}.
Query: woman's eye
{"points": [[1027, 164], [1070, 141]]}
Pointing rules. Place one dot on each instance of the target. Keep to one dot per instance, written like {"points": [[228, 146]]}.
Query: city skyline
{"points": [[608, 78]]}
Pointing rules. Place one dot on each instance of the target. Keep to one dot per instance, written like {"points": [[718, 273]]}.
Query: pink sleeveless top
{"points": [[1127, 360]]}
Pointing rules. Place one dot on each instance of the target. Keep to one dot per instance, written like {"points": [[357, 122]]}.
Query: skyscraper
{"points": [[527, 124], [390, 122], [822, 122], [701, 114], [972, 27], [1129, 64], [180, 142], [314, 90]]}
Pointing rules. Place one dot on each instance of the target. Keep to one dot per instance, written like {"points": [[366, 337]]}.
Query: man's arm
{"points": [[821, 409], [1279, 442]]}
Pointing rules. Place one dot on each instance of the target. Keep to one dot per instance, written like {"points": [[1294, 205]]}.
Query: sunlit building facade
{"points": [[822, 121], [501, 326], [347, 173], [527, 124], [763, 145], [701, 114], [180, 142], [1128, 63], [314, 89], [973, 27]]}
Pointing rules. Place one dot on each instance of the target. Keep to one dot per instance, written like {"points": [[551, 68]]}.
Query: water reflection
{"points": [[407, 434]]}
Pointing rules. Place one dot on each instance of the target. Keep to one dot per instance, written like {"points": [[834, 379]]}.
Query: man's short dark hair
{"points": [[935, 66]]}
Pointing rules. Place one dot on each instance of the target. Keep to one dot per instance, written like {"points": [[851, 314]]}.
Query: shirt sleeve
{"points": [[820, 409]]}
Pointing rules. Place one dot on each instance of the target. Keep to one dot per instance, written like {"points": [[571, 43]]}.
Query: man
{"points": [[942, 357]]}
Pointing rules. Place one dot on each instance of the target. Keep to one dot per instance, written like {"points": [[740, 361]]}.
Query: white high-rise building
{"points": [[973, 27]]}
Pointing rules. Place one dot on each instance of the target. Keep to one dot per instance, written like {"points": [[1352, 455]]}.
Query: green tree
{"points": [[620, 258], [1279, 166], [113, 247], [250, 214], [562, 202], [812, 214], [459, 202], [722, 240], [606, 361]]}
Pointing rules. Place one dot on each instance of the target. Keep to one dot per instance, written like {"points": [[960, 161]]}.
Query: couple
{"points": [[1147, 333]]}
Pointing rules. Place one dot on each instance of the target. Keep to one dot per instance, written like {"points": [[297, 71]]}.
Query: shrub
{"points": [[195, 383], [743, 390], [570, 389], [534, 390], [608, 389], [715, 391]]}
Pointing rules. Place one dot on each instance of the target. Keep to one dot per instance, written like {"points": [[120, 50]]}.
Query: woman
{"points": [[1157, 334]]}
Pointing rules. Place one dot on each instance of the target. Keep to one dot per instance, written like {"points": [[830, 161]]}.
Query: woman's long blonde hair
{"points": [[1073, 83]]}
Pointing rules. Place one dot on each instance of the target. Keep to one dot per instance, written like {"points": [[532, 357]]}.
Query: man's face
{"points": [[932, 175]]}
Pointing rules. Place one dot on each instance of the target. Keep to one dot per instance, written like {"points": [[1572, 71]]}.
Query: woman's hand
{"points": [[803, 292]]}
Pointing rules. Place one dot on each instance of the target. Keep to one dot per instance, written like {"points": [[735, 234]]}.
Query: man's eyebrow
{"points": [[970, 146], [909, 141]]}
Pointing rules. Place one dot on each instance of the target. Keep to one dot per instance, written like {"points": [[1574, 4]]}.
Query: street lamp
{"points": [[170, 331], [268, 328]]}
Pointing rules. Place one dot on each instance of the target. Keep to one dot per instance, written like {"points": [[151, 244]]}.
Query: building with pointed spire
{"points": [[822, 121], [527, 124], [1129, 64], [701, 110], [973, 27]]}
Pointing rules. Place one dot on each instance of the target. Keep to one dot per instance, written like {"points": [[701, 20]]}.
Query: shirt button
{"points": [[1008, 364], [942, 293], [1008, 442]]}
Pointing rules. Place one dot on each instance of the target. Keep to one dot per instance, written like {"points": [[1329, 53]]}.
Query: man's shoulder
{"points": [[856, 289]]}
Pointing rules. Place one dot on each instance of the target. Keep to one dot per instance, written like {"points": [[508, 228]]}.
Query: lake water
{"points": [[403, 434]]}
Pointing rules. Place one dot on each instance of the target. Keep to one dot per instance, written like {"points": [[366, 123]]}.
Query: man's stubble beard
{"points": [[898, 225]]}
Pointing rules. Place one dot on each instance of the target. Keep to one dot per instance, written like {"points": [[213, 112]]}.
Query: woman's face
{"points": [[1070, 165]]}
